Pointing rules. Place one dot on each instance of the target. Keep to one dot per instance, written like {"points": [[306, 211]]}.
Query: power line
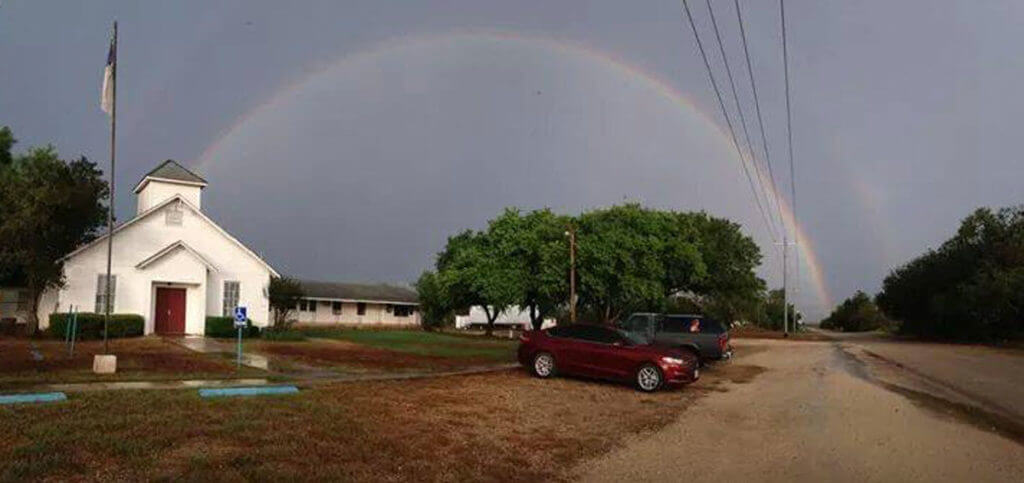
{"points": [[757, 107], [739, 108], [732, 132]]}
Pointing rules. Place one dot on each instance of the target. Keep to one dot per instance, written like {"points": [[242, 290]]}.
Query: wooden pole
{"points": [[572, 274]]}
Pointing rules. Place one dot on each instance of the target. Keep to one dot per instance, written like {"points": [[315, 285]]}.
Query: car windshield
{"points": [[634, 338]]}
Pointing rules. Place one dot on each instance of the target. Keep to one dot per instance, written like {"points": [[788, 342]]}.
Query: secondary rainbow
{"points": [[560, 46]]}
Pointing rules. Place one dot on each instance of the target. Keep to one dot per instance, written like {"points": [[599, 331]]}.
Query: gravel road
{"points": [[816, 414]]}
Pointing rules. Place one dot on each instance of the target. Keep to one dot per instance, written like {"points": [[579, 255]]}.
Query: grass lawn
{"points": [[139, 359], [426, 343], [494, 427]]}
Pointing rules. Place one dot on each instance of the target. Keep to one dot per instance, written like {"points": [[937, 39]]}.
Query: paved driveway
{"points": [[992, 379], [814, 415]]}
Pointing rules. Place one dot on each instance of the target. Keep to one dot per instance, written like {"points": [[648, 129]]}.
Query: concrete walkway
{"points": [[182, 384], [317, 379], [206, 345]]}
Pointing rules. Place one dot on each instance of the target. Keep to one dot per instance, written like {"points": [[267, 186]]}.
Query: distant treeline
{"points": [[970, 289]]}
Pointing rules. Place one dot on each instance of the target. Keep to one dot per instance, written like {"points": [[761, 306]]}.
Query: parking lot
{"points": [[781, 410], [499, 426]]}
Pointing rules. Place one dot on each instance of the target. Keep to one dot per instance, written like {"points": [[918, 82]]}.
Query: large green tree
{"points": [[629, 258], [49, 208], [970, 288], [473, 271], [622, 254], [535, 248], [731, 290]]}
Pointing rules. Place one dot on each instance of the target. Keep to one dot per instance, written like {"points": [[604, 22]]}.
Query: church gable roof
{"points": [[157, 208], [171, 171]]}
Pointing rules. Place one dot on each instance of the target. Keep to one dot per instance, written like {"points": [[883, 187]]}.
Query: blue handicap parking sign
{"points": [[240, 316]]}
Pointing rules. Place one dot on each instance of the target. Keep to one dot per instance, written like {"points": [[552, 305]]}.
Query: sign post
{"points": [[240, 323]]}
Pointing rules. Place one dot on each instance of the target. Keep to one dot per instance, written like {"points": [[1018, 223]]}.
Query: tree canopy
{"points": [[971, 288], [284, 294], [774, 318], [48, 207], [629, 258], [856, 314]]}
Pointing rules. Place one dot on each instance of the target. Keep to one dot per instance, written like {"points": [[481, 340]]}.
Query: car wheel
{"points": [[543, 365], [648, 378]]}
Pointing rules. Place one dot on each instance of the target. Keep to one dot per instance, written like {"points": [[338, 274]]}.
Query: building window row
{"points": [[307, 305]]}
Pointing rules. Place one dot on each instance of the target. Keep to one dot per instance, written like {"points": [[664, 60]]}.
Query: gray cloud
{"points": [[904, 118]]}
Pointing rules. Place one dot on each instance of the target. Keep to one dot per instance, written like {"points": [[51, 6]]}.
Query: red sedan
{"points": [[605, 353]]}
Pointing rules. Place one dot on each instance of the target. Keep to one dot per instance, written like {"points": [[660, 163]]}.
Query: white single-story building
{"points": [[14, 305], [512, 317], [171, 263], [326, 303]]}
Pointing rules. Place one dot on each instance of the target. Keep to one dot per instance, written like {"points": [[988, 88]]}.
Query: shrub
{"points": [[90, 325], [224, 327]]}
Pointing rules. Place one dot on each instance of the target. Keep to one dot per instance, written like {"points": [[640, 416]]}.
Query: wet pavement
{"points": [[207, 345], [184, 384]]}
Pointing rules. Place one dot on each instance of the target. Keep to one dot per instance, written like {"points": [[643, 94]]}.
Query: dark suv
{"points": [[706, 338]]}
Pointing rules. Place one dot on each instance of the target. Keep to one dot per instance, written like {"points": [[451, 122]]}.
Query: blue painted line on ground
{"points": [[32, 398], [248, 391]]}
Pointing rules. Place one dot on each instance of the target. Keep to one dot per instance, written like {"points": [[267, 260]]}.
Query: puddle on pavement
{"points": [[958, 411]]}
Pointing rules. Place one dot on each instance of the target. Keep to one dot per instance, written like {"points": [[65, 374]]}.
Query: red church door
{"points": [[170, 311]]}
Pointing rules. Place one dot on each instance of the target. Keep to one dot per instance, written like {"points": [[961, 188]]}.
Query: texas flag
{"points": [[107, 95]]}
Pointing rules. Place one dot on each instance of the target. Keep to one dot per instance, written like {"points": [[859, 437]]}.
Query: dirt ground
{"points": [[141, 358], [505, 426], [348, 356], [816, 414]]}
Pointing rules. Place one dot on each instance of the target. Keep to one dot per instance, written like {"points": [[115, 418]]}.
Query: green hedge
{"points": [[90, 325], [225, 327]]}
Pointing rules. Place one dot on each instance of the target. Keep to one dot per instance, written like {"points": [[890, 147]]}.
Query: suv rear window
{"points": [[677, 325], [708, 326], [681, 325]]}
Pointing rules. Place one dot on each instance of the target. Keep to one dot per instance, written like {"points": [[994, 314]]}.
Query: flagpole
{"points": [[110, 208]]}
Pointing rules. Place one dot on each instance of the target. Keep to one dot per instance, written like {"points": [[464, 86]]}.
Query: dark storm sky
{"points": [[347, 140]]}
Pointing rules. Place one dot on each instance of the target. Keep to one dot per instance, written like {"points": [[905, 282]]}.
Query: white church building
{"points": [[171, 264]]}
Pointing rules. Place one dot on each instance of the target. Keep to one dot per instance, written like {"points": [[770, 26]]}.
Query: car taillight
{"points": [[723, 341], [524, 337]]}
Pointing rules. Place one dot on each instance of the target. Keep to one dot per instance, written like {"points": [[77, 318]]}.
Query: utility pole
{"points": [[785, 286], [571, 233]]}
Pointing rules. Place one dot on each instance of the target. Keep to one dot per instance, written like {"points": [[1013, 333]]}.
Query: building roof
{"points": [[155, 209], [170, 170], [359, 292]]}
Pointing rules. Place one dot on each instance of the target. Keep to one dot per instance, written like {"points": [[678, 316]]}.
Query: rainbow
{"points": [[559, 46]]}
